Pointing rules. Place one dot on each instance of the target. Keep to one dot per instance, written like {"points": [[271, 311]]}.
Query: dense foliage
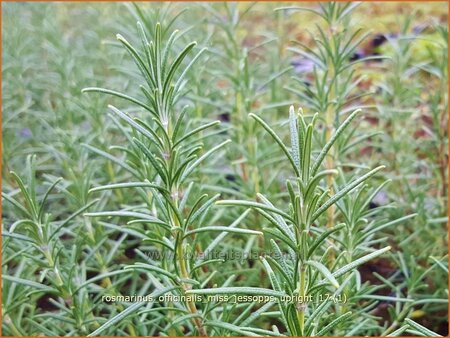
{"points": [[225, 169]]}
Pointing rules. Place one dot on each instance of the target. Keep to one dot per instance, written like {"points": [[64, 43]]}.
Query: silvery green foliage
{"points": [[299, 270], [169, 153], [127, 203]]}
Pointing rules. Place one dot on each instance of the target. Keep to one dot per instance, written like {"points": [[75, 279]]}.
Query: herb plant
{"points": [[166, 153], [199, 203], [303, 274]]}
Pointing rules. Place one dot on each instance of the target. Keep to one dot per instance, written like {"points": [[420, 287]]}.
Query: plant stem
{"points": [[329, 120], [190, 304], [396, 322], [301, 305], [185, 275]]}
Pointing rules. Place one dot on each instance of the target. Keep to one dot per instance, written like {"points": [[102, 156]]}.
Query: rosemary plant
{"points": [[40, 234], [303, 277], [399, 108], [156, 219], [247, 89], [166, 154], [332, 89]]}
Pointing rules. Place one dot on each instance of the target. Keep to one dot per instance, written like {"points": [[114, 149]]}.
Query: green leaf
{"points": [[121, 95], [324, 271], [144, 217], [279, 235], [439, 263], [317, 313], [385, 298], [138, 60], [151, 268], [274, 281], [399, 331], [25, 222], [129, 310], [71, 217], [331, 141], [19, 206], [128, 185], [359, 261], [180, 319], [344, 191], [307, 149], [176, 64], [222, 228], [99, 277], [202, 210], [334, 323], [323, 237], [284, 265], [278, 141], [18, 236], [26, 195], [230, 327], [261, 332], [162, 172], [388, 224], [202, 158], [256, 314], [148, 133], [221, 236], [279, 220], [422, 329], [294, 136], [186, 69], [211, 261], [29, 283], [313, 182], [41, 328], [256, 206], [167, 50], [44, 199], [111, 158], [126, 230], [195, 131]]}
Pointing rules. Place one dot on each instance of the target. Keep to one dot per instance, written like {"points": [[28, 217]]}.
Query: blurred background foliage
{"points": [[50, 51]]}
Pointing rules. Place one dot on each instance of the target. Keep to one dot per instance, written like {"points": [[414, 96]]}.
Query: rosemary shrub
{"points": [[171, 153], [303, 273], [42, 232], [137, 210]]}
